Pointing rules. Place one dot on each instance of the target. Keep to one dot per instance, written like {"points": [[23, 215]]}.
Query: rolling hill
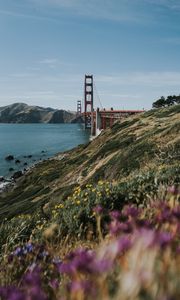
{"points": [[23, 113]]}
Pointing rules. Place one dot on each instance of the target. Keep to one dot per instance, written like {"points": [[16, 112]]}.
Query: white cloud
{"points": [[152, 79], [115, 10], [102, 9], [170, 4], [17, 14], [48, 61]]}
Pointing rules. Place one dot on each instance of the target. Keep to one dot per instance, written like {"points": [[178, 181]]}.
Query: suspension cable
{"points": [[98, 95]]}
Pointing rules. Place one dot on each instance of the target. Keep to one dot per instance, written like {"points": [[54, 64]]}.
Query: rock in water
{"points": [[2, 179], [17, 161], [17, 174], [9, 157]]}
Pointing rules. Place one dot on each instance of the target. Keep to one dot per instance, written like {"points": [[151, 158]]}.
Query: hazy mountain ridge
{"points": [[23, 113]]}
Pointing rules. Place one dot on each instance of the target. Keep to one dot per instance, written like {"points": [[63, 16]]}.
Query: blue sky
{"points": [[131, 46]]}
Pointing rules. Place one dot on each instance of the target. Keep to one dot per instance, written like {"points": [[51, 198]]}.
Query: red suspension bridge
{"points": [[99, 119]]}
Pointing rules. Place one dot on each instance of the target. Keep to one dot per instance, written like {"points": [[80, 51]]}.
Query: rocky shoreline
{"points": [[8, 182]]}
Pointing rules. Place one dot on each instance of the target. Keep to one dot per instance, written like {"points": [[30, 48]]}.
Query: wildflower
{"points": [[100, 182], [174, 190], [57, 262], [98, 209], [32, 283], [164, 238], [124, 244], [81, 287], [11, 293], [131, 211], [176, 212], [28, 248], [54, 284], [114, 214], [84, 261], [117, 227], [19, 251]]}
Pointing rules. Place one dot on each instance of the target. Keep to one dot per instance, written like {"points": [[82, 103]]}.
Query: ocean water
{"points": [[22, 140]]}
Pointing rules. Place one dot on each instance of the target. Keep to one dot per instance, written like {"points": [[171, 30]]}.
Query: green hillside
{"points": [[144, 146]]}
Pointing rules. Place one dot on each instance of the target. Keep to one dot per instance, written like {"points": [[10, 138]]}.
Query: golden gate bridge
{"points": [[98, 119]]}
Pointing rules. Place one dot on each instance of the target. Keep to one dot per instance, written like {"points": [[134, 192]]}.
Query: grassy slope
{"points": [[139, 143]]}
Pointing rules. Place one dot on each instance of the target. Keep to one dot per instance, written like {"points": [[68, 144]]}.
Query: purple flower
{"points": [[85, 286], [164, 238], [54, 284], [117, 227], [176, 212], [148, 236], [35, 293], [29, 247], [143, 223], [115, 214], [19, 251], [98, 209], [11, 293], [32, 277], [131, 211], [57, 262], [173, 190], [85, 262], [124, 244]]}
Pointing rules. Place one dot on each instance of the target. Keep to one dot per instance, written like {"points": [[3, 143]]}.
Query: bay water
{"points": [[39, 140]]}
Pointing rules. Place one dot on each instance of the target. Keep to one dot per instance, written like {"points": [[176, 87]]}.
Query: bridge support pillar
{"points": [[88, 101], [98, 121], [79, 108]]}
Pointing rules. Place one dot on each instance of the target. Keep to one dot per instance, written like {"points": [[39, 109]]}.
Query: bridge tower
{"points": [[88, 100], [79, 108]]}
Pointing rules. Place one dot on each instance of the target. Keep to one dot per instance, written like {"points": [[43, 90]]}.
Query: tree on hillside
{"points": [[163, 102], [160, 102]]}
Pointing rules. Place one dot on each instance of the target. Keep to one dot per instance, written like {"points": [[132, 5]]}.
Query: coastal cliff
{"points": [[23, 113]]}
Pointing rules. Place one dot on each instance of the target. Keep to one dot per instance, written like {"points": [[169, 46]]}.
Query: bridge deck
{"points": [[112, 112]]}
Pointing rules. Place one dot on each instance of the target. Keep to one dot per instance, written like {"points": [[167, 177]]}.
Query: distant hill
{"points": [[23, 113]]}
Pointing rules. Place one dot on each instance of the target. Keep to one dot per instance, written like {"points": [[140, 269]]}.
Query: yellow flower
{"points": [[100, 182], [78, 202]]}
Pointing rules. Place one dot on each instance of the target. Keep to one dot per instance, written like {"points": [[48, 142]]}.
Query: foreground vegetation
{"points": [[99, 222], [134, 254]]}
